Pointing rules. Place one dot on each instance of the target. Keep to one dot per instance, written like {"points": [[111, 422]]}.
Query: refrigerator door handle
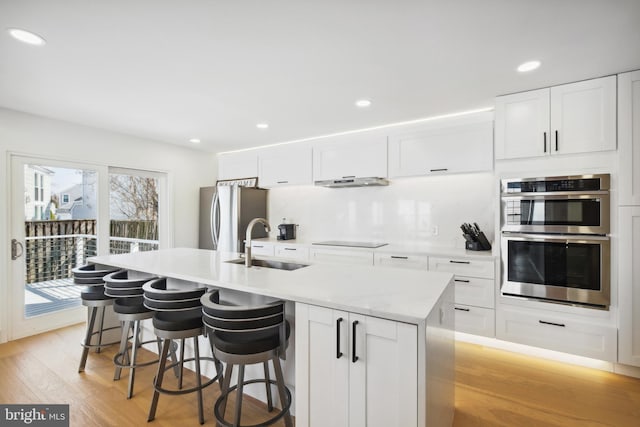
{"points": [[215, 219]]}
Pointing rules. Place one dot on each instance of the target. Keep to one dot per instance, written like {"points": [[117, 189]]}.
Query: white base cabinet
{"points": [[328, 255], [556, 331], [629, 286], [354, 370], [629, 138]]}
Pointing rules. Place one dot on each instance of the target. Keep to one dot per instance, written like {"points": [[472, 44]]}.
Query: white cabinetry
{"points": [[449, 147], [355, 155], [573, 118], [474, 293], [354, 370], [419, 262], [629, 137], [285, 165], [629, 286], [300, 253], [556, 331], [340, 256], [238, 165], [263, 249]]}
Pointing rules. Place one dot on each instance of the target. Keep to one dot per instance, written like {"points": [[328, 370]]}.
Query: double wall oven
{"points": [[555, 239]]}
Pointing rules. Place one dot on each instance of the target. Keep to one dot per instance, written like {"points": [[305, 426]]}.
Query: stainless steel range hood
{"points": [[353, 182]]}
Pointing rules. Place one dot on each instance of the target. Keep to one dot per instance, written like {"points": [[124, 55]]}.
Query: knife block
{"points": [[482, 244]]}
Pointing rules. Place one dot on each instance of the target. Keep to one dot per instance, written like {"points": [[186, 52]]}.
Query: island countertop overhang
{"points": [[397, 294]]}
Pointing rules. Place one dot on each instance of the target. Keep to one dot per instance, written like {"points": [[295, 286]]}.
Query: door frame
{"points": [[17, 325]]}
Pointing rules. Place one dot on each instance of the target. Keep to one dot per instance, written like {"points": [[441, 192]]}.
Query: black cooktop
{"points": [[371, 245]]}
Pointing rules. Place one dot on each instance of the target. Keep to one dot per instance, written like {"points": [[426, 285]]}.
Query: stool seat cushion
{"points": [[90, 271], [178, 320], [130, 306], [248, 342], [94, 293]]}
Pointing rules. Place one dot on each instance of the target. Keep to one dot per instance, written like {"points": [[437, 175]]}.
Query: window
{"points": [[65, 198]]}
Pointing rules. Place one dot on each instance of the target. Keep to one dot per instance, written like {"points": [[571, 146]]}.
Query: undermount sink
{"points": [[279, 265]]}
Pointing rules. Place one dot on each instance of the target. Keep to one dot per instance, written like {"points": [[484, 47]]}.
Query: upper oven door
{"points": [[558, 212]]}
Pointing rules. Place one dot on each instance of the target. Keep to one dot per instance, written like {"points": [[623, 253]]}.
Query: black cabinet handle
{"points": [[282, 182], [461, 281], [257, 246], [439, 170], [399, 257], [349, 176], [354, 358], [562, 325], [459, 262], [461, 309], [545, 142], [338, 352], [289, 249], [556, 140]]}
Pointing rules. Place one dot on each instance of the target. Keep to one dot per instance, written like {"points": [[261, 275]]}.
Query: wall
{"points": [[408, 210], [30, 135]]}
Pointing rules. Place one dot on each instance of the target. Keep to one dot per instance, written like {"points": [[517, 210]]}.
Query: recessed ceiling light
{"points": [[194, 141], [363, 103], [26, 36], [262, 125], [528, 66]]}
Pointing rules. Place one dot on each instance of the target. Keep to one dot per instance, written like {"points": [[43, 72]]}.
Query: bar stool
{"points": [[178, 315], [241, 335], [130, 310], [94, 299]]}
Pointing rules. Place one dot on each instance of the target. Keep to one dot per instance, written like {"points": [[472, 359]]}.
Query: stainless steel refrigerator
{"points": [[225, 212]]}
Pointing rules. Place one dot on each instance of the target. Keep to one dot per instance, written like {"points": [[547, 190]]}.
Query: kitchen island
{"points": [[373, 346]]}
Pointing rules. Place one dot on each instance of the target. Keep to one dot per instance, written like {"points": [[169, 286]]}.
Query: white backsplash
{"points": [[409, 210]]}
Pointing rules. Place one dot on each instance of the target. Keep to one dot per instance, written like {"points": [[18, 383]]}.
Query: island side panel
{"points": [[436, 364]]}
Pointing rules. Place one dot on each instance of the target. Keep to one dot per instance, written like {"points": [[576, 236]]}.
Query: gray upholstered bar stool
{"points": [[178, 316], [130, 310], [241, 335], [95, 300]]}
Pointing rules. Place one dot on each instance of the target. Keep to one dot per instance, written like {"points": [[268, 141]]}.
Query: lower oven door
{"points": [[573, 269]]}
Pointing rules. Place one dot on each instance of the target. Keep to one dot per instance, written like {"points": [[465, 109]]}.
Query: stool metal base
{"points": [[162, 368], [86, 344]]}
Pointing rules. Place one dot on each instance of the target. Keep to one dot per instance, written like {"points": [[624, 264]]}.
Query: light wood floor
{"points": [[493, 388]]}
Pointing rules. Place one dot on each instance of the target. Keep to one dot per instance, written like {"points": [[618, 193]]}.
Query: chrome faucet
{"points": [[247, 242]]}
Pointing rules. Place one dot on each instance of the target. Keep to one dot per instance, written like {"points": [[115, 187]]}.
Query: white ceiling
{"points": [[172, 70]]}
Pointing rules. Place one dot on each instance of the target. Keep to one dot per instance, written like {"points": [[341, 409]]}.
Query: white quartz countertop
{"points": [[403, 295], [405, 248]]}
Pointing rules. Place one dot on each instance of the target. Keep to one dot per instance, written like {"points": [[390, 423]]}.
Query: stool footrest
{"points": [[117, 358], [104, 344], [270, 421], [192, 389]]}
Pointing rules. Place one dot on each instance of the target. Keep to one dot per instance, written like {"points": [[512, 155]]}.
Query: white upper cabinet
{"points": [[573, 118], [243, 164], [522, 125], [451, 146], [285, 165], [629, 137], [347, 156]]}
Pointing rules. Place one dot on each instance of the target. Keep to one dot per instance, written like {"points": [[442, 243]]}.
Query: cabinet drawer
{"points": [[463, 267], [475, 320], [474, 291], [419, 262], [264, 249], [293, 252], [558, 332], [339, 256]]}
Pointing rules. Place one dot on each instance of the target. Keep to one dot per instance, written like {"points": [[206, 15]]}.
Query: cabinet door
{"points": [[418, 262], [340, 256], [475, 291], [322, 376], [383, 388], [293, 252], [522, 125], [238, 165], [475, 320], [452, 149], [261, 248], [583, 116], [357, 155], [629, 286], [285, 165], [629, 137]]}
